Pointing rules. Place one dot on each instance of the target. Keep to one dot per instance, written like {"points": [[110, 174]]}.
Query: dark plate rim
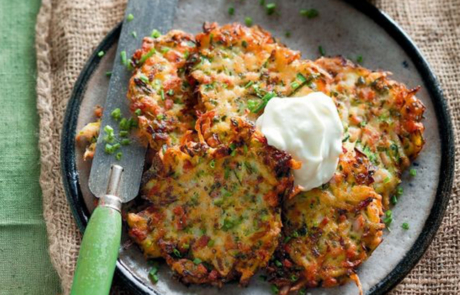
{"points": [[81, 214]]}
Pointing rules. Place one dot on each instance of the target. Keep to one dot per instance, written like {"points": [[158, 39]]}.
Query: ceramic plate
{"points": [[347, 28]]}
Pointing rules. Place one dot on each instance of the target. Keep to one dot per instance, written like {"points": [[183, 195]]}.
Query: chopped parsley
{"points": [[231, 10], [359, 59], [108, 74], [278, 263], [413, 172], [275, 289], [197, 261], [130, 17], [405, 226], [309, 13], [100, 53], [118, 156], [134, 34], [287, 34], [138, 112]]}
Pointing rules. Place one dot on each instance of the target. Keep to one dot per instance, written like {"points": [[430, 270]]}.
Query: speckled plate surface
{"points": [[347, 28]]}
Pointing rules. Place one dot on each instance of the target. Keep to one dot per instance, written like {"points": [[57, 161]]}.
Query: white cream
{"points": [[310, 130]]}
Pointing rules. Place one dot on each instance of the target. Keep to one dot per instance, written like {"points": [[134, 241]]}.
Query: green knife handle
{"points": [[98, 253]]}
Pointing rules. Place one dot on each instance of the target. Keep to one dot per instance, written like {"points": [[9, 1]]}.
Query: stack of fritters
{"points": [[222, 201]]}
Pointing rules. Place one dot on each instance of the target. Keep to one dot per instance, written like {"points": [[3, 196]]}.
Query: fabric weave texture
{"points": [[67, 32]]}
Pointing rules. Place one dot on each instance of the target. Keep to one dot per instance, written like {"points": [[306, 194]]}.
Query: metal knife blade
{"points": [[141, 16]]}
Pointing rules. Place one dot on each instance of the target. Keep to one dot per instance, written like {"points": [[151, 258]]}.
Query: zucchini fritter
{"points": [[214, 213], [239, 69], [331, 230], [159, 89]]}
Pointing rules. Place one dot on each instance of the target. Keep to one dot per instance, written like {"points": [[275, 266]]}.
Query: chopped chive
{"points": [[124, 59], [162, 94], [170, 92], [144, 78], [116, 146], [321, 50], [212, 164], [359, 59], [108, 129], [278, 263], [124, 124], [413, 172], [301, 78], [134, 34], [211, 243], [294, 278], [405, 225], [155, 34], [123, 133], [248, 21], [275, 289], [153, 274], [125, 141], [116, 114], [388, 218], [138, 112], [262, 2], [249, 84], [394, 200], [118, 156], [160, 117], [177, 253], [302, 292], [399, 191], [147, 55], [270, 8], [197, 261], [164, 50], [263, 278], [108, 74], [100, 53], [130, 17], [186, 246], [287, 34], [309, 13], [244, 44], [231, 10], [108, 149]]}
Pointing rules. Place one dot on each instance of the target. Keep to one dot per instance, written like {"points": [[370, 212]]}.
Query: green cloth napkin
{"points": [[25, 266]]}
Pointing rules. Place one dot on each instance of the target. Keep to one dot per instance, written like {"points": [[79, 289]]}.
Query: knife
{"points": [[116, 180]]}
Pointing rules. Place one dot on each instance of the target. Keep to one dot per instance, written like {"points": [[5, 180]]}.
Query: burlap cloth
{"points": [[67, 32]]}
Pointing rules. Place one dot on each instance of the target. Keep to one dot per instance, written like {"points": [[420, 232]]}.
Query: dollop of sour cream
{"points": [[310, 130]]}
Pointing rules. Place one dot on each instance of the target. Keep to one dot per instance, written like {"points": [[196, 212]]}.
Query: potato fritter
{"points": [[214, 213]]}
